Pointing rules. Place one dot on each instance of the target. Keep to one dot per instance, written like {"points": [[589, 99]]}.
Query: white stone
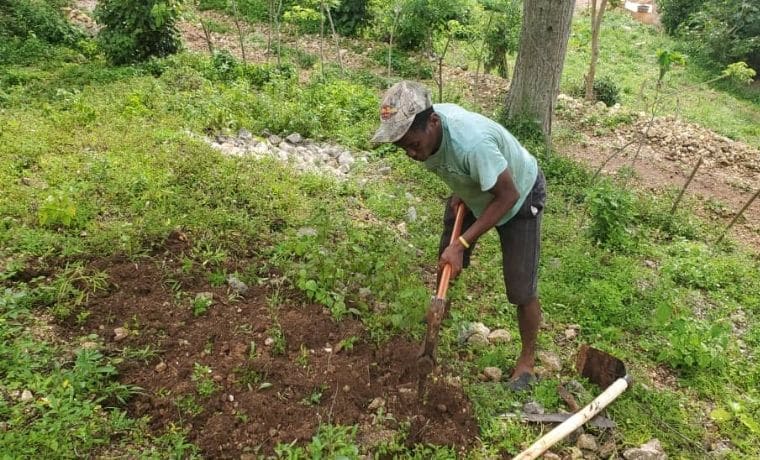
{"points": [[499, 336], [120, 333], [492, 373], [26, 396]]}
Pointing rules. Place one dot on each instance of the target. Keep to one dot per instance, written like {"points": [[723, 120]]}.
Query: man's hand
{"points": [[454, 202], [452, 255]]}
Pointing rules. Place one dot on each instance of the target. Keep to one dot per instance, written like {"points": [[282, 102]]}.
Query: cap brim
{"points": [[388, 132]]}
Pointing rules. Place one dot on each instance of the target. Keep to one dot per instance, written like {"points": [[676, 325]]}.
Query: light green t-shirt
{"points": [[474, 151]]}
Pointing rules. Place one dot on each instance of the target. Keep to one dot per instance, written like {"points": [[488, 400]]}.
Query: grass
{"points": [[104, 161]]}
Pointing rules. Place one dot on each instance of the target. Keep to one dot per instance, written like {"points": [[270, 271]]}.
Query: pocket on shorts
{"points": [[536, 200]]}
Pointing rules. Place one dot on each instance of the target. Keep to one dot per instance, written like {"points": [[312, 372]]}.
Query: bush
{"points": [[725, 32], [673, 13], [402, 64], [419, 18], [503, 35], [606, 90], [36, 18], [350, 16], [612, 212], [134, 31]]}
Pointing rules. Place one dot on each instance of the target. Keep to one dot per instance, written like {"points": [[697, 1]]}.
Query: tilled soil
{"points": [[261, 397]]}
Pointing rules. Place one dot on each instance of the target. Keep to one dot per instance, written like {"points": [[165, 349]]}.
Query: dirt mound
{"points": [[220, 374]]}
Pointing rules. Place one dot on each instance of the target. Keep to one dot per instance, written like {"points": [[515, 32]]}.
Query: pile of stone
{"points": [[303, 154], [686, 142]]}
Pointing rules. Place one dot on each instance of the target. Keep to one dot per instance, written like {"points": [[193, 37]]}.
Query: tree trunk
{"points": [[596, 26], [535, 85]]}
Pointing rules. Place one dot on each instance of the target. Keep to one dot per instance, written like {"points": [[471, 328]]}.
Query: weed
{"points": [[188, 406], [204, 384], [315, 397], [303, 356], [201, 304]]}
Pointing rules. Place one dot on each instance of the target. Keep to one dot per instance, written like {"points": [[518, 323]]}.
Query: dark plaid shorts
{"points": [[520, 239]]}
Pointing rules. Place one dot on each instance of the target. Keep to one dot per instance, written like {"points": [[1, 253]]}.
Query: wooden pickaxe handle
{"points": [[443, 283]]}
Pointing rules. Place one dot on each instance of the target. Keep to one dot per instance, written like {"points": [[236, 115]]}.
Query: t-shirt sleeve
{"points": [[485, 163]]}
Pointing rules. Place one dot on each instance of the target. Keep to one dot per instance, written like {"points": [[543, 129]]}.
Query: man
{"points": [[498, 180]]}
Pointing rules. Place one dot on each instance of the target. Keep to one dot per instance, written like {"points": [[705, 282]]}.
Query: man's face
{"points": [[419, 144]]}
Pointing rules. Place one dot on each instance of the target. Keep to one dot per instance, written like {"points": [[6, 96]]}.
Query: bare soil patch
{"points": [[262, 398]]}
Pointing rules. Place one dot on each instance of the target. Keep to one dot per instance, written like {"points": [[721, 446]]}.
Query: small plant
{"points": [[303, 357], [315, 397], [347, 344], [248, 376], [279, 345], [58, 210], [204, 384], [188, 405], [693, 345], [202, 303], [612, 212]]}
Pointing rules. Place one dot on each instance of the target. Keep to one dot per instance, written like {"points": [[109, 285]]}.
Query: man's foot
{"points": [[521, 382]]}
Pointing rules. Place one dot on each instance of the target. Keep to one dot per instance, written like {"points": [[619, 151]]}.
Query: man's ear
{"points": [[434, 121]]}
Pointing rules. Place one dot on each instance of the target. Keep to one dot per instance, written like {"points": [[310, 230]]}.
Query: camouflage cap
{"points": [[401, 103]]}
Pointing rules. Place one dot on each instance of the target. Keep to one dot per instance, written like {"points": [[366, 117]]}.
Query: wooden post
{"points": [[688, 181], [738, 215]]}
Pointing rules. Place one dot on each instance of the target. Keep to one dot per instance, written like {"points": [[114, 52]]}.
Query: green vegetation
{"points": [[99, 161]]}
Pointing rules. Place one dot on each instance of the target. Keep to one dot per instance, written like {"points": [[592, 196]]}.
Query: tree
{"points": [[535, 85], [596, 27], [133, 31]]}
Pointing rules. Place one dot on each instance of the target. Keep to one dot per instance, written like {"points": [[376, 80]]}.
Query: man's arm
{"points": [[505, 195]]}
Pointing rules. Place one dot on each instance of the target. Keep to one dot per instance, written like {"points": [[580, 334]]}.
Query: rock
{"points": [[274, 139], [344, 169], [532, 407], [571, 332], [120, 333], [272, 432], [384, 170], [478, 340], [551, 456], [245, 135], [550, 361], [294, 138], [376, 404], [160, 367], [587, 442], [345, 158], [306, 231], [90, 345], [499, 336], [237, 285], [442, 408], [492, 373], [26, 396], [649, 451], [231, 398], [575, 453], [411, 214], [401, 227]]}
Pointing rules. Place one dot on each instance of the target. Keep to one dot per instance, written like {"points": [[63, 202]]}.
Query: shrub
{"points": [[503, 35], [725, 32], [606, 90], [350, 16], [419, 18], [134, 31], [611, 211], [36, 18], [673, 13]]}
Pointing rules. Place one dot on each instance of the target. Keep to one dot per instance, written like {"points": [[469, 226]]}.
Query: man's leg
{"points": [[520, 241], [528, 320]]}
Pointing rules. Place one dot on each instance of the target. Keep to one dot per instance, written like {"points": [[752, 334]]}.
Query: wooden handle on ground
{"points": [[443, 284], [574, 422]]}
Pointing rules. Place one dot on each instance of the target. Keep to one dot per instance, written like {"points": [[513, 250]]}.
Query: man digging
{"points": [[496, 178]]}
